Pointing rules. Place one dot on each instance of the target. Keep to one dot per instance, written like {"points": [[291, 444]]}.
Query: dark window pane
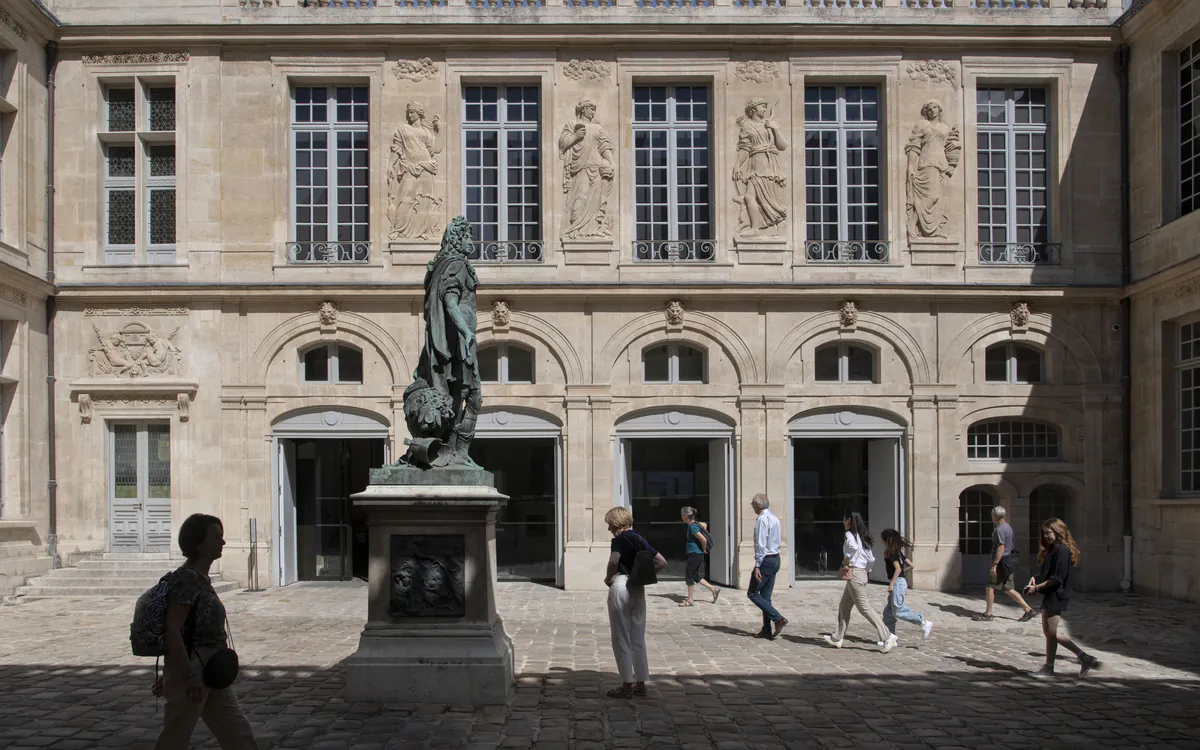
{"points": [[826, 365], [489, 364], [691, 365], [860, 365], [996, 364], [350, 365], [162, 108], [656, 364], [121, 217], [120, 110], [316, 365], [1029, 364], [520, 365]]}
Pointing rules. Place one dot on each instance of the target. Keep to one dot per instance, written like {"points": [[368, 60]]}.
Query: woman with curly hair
{"points": [[1058, 555]]}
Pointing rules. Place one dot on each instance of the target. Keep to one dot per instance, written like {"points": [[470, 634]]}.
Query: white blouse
{"points": [[855, 553]]}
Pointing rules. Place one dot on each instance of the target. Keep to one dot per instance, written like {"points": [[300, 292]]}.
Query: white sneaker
{"points": [[890, 643], [829, 639], [925, 628]]}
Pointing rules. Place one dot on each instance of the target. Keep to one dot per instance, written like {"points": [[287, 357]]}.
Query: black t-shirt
{"points": [[628, 543], [890, 565], [1056, 567]]}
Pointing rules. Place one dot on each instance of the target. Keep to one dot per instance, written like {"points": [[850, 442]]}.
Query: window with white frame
{"points": [[1189, 129], [332, 363], [1013, 440], [505, 364], [1013, 139], [331, 173], [672, 176], [844, 363], [842, 174], [1188, 366], [1010, 362], [138, 142], [502, 185], [674, 363]]}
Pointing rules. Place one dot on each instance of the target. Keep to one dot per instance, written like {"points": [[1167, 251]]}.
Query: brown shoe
{"points": [[779, 626]]}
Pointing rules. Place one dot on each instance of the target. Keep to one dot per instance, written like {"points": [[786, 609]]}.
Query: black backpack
{"points": [[708, 540]]}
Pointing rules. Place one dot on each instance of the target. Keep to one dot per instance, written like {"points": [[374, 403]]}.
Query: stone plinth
{"points": [[432, 632]]}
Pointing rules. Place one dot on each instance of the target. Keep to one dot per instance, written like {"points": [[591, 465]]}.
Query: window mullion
{"points": [[502, 129], [672, 168], [842, 191], [1010, 164]]}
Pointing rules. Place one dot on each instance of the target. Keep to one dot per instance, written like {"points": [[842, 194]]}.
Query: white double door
{"points": [[139, 487]]}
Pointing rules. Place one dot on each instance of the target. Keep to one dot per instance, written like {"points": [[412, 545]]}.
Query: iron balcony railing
{"points": [[1019, 253], [850, 251], [674, 251], [508, 252], [328, 253]]}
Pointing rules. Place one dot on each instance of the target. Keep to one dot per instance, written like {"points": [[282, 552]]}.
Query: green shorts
{"points": [[1000, 582]]}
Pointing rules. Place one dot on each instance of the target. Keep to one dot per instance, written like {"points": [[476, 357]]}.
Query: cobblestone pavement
{"points": [[67, 679]]}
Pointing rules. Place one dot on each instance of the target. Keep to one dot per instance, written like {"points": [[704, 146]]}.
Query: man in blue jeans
{"points": [[766, 565]]}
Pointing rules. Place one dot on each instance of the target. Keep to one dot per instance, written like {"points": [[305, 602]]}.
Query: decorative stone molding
{"points": [[132, 400], [135, 311], [501, 314], [591, 70], [757, 71], [85, 408], [13, 295], [13, 24], [328, 313], [136, 58], [1019, 314], [415, 70], [184, 403], [1186, 289], [936, 72], [848, 314], [119, 393], [135, 351], [259, 3], [674, 313]]}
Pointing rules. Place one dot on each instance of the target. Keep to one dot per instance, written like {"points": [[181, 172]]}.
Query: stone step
{"points": [[57, 582], [163, 565], [107, 573], [132, 556], [91, 592]]}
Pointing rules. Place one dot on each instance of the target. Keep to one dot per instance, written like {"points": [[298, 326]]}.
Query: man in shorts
{"points": [[999, 578]]}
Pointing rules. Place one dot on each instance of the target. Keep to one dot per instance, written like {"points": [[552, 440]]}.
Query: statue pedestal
{"points": [[432, 632]]}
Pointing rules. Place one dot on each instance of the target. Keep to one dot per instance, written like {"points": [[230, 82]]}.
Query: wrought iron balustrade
{"points": [[1019, 253], [508, 252], [675, 251], [850, 251], [328, 253]]}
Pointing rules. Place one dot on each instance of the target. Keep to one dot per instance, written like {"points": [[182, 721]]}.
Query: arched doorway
{"points": [[975, 533], [667, 459], [524, 452], [1045, 502], [322, 457], [842, 460]]}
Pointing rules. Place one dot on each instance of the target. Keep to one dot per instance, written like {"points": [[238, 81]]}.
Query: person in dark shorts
{"points": [[999, 576], [695, 549], [1058, 556]]}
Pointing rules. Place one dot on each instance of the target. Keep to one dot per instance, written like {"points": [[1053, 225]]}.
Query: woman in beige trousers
{"points": [[189, 700], [858, 558]]}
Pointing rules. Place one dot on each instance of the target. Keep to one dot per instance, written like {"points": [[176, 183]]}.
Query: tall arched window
{"points": [[1010, 362], [975, 521], [674, 363], [506, 364], [331, 363], [1013, 440], [1045, 502], [844, 363]]}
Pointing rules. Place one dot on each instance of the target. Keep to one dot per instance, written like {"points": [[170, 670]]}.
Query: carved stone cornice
{"points": [[117, 393], [13, 24], [591, 70], [1186, 289], [13, 295], [757, 71], [136, 58], [933, 72], [415, 70], [135, 311]]}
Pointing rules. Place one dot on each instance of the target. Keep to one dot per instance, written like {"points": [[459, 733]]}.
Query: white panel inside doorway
{"points": [[287, 512], [720, 510], [883, 495]]}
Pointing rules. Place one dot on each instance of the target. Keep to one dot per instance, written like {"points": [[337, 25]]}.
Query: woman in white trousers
{"points": [[627, 604]]}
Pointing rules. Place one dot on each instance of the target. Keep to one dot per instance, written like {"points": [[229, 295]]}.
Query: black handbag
{"points": [[221, 669], [1009, 564], [643, 573]]}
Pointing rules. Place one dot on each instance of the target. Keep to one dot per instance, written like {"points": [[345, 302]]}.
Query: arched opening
{"points": [[668, 459], [524, 452], [975, 533], [322, 457], [1010, 362], [842, 460], [1045, 502]]}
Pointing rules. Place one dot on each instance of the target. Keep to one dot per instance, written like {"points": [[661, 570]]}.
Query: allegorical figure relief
{"points": [[587, 152], [933, 151], [414, 211], [759, 181], [135, 352]]}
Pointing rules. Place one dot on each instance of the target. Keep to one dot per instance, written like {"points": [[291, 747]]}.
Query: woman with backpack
{"points": [[895, 560], [197, 648], [627, 603], [696, 547], [858, 558], [1058, 555]]}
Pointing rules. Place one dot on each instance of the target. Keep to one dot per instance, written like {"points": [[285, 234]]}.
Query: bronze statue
{"points": [[443, 402]]}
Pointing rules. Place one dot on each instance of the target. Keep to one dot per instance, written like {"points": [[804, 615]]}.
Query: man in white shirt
{"points": [[766, 566]]}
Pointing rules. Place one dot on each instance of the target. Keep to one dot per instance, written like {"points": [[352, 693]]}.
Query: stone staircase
{"points": [[116, 574]]}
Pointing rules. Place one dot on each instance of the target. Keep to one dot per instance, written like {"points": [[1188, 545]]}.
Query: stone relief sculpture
{"points": [[848, 314], [501, 314], [592, 70], [327, 313], [415, 70], [758, 178], [135, 351], [443, 402], [427, 576], [933, 152], [1019, 314], [675, 313], [757, 71], [414, 212], [587, 152], [934, 72]]}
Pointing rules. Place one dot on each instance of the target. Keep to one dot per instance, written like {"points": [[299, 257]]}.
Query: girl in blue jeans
{"points": [[896, 552]]}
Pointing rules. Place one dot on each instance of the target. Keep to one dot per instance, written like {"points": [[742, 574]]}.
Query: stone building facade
{"points": [[723, 249]]}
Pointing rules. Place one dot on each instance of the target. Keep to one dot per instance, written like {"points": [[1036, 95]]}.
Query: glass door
{"points": [[830, 477]]}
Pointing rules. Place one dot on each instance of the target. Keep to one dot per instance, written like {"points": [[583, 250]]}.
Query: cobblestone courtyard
{"points": [[68, 681]]}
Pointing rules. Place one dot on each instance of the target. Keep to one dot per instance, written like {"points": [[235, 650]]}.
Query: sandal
{"points": [[620, 692], [982, 618], [715, 595], [640, 691], [686, 604]]}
